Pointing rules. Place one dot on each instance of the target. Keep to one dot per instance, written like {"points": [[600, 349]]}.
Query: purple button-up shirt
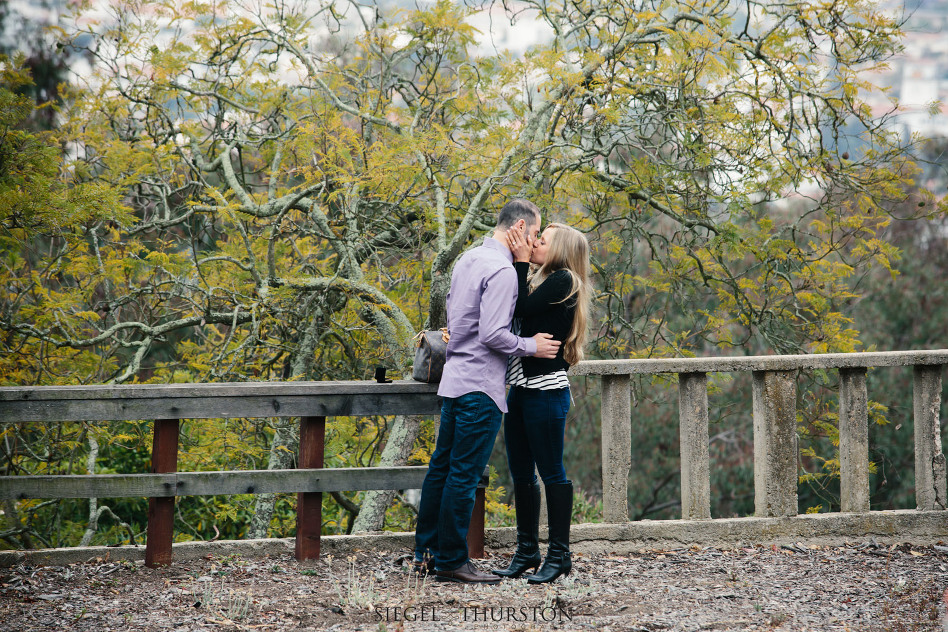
{"points": [[480, 307]]}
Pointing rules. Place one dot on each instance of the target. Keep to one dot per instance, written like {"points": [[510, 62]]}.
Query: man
{"points": [[480, 307]]}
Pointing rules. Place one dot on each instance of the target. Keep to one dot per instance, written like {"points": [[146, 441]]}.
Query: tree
{"points": [[303, 180], [41, 207]]}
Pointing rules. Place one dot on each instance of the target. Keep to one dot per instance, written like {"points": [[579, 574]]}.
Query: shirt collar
{"points": [[494, 244]]}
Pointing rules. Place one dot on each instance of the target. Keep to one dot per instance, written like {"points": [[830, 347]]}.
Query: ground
{"points": [[858, 587]]}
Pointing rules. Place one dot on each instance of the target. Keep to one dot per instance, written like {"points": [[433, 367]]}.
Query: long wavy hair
{"points": [[569, 251]]}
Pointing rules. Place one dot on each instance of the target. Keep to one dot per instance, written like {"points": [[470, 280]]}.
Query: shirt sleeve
{"points": [[497, 307], [554, 289]]}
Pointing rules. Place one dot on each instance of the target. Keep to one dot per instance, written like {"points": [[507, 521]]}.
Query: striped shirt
{"points": [[546, 382]]}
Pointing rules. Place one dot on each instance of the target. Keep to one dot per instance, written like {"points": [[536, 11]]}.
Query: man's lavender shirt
{"points": [[480, 307]]}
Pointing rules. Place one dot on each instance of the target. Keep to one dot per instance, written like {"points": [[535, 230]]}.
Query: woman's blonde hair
{"points": [[569, 251]]}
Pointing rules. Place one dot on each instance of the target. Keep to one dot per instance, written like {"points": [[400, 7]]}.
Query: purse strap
{"points": [[445, 336]]}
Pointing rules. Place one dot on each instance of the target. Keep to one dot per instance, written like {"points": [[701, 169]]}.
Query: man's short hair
{"points": [[515, 210]]}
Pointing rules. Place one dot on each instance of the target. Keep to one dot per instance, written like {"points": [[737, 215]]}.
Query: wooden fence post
{"points": [[616, 447], [309, 505], [164, 459], [775, 444], [853, 440], [930, 475], [475, 532], [695, 460]]}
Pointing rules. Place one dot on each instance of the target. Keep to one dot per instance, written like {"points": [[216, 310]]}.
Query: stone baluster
{"points": [[616, 447], [853, 440], [930, 479], [775, 444], [695, 463]]}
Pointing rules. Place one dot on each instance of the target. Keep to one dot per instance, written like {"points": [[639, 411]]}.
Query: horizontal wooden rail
{"points": [[211, 483], [212, 401]]}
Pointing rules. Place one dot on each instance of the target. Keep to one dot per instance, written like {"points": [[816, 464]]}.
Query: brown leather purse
{"points": [[430, 354]]}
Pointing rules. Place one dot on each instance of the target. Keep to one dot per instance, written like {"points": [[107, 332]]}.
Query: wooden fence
{"points": [[312, 402], [774, 426]]}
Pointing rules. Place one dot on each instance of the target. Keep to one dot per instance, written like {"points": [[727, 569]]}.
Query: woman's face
{"points": [[540, 247]]}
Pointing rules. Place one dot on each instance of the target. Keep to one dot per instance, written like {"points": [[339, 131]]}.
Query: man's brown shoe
{"points": [[467, 574]]}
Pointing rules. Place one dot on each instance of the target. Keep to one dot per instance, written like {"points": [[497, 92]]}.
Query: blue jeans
{"points": [[534, 427], [469, 426]]}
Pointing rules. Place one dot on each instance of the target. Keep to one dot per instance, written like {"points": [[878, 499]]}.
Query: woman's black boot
{"points": [[527, 557], [559, 504]]}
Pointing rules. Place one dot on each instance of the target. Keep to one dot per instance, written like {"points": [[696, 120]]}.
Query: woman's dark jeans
{"points": [[469, 426], [533, 431]]}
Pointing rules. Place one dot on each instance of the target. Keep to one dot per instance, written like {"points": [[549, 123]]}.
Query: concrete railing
{"points": [[774, 413]]}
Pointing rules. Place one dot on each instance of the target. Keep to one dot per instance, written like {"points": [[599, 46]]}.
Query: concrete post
{"points": [[775, 445], [930, 479], [616, 447], [693, 424], [853, 440]]}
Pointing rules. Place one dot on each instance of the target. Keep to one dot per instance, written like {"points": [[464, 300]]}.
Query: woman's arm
{"points": [[553, 290]]}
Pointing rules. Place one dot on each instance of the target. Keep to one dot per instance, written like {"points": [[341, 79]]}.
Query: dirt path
{"points": [[859, 587]]}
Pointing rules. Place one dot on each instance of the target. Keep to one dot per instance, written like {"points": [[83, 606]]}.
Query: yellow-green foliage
{"points": [[252, 200]]}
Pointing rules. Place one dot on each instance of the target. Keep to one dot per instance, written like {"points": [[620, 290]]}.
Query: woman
{"points": [[554, 299]]}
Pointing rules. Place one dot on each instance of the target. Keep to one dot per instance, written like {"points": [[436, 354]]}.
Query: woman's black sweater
{"points": [[544, 311]]}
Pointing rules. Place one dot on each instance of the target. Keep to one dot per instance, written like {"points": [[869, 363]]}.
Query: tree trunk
{"points": [[286, 437], [401, 439], [93, 502], [282, 452]]}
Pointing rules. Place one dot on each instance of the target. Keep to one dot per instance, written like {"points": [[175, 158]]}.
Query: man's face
{"points": [[532, 231]]}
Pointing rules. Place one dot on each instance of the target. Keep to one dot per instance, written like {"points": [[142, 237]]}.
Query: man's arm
{"points": [[496, 312]]}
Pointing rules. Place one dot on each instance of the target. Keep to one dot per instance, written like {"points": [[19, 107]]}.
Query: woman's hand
{"points": [[520, 245]]}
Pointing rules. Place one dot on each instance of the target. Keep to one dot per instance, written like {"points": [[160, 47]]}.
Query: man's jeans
{"points": [[533, 433], [469, 426]]}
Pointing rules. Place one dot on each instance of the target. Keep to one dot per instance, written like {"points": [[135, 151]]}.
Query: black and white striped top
{"points": [[545, 382]]}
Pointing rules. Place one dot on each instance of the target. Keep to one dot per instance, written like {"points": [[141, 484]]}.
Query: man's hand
{"points": [[546, 346]]}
